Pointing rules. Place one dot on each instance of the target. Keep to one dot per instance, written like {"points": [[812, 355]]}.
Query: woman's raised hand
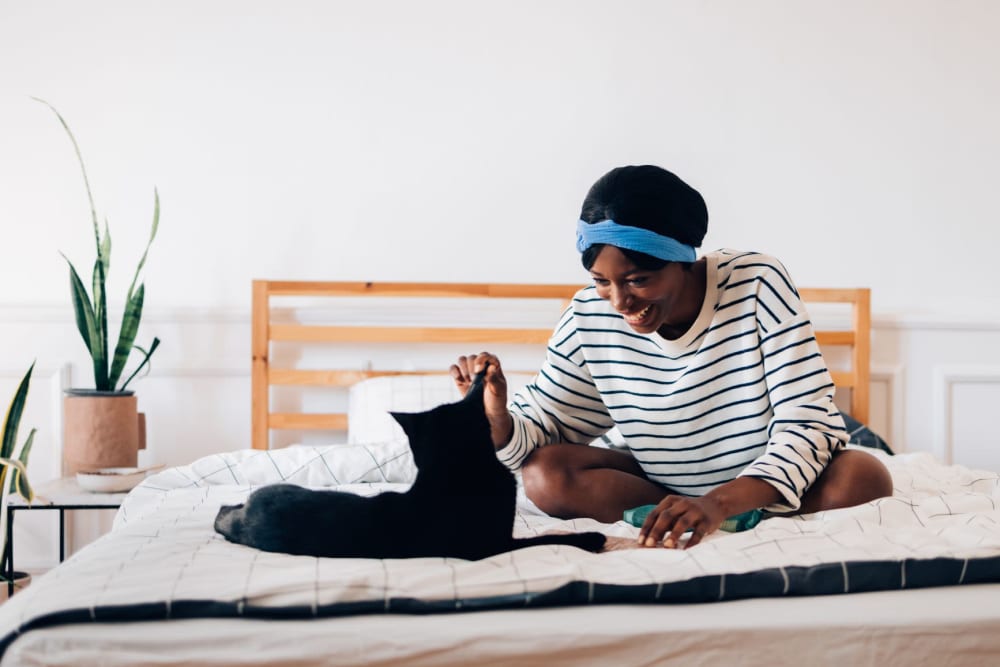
{"points": [[494, 392]]}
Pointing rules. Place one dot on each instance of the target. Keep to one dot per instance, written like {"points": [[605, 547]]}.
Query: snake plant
{"points": [[14, 460], [91, 309]]}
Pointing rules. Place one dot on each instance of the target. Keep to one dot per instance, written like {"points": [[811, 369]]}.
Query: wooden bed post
{"points": [[861, 355], [259, 348]]}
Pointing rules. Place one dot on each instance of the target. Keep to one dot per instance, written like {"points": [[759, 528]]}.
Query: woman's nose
{"points": [[620, 299]]}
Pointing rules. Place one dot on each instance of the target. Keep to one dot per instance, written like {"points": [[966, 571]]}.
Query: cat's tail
{"points": [[229, 522], [588, 541]]}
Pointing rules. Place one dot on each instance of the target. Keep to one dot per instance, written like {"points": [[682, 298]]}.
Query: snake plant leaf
{"points": [[101, 268], [86, 321], [92, 314], [4, 494], [100, 358], [79, 158], [97, 283], [18, 468], [152, 348], [92, 322], [104, 249], [152, 235], [20, 481], [126, 337], [13, 418]]}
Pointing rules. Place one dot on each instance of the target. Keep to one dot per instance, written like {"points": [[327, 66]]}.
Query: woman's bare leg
{"points": [[571, 481], [851, 478]]}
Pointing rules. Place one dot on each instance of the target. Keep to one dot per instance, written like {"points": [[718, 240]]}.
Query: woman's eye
{"points": [[638, 281], [600, 282]]}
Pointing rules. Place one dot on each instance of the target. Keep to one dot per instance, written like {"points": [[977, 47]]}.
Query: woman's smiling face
{"points": [[648, 300]]}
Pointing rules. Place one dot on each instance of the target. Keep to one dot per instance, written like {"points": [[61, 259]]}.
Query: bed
{"points": [[911, 579]]}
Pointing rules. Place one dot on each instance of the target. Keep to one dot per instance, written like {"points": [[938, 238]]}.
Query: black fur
{"points": [[461, 504]]}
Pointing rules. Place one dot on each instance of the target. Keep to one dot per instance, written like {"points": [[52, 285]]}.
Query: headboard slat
{"points": [[330, 378], [298, 420], [835, 337], [266, 330], [349, 334]]}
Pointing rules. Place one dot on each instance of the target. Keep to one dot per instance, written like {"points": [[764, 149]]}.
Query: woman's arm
{"points": [[675, 515], [806, 427], [804, 430], [561, 404]]}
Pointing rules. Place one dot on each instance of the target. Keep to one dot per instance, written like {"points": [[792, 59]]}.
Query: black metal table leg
{"points": [[62, 535], [8, 553], [7, 558]]}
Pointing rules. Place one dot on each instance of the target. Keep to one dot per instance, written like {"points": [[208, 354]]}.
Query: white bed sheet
{"points": [[163, 549], [956, 626]]}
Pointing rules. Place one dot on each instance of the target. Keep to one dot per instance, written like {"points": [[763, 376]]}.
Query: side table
{"points": [[60, 494]]}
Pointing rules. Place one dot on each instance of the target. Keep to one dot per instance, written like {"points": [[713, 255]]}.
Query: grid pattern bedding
{"points": [[164, 561]]}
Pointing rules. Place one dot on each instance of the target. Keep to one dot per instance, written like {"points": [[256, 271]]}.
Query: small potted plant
{"points": [[14, 462], [102, 425]]}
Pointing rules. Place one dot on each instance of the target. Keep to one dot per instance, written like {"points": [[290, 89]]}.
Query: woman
{"points": [[707, 366]]}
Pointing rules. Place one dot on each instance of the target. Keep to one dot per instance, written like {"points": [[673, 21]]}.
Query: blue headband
{"points": [[632, 238]]}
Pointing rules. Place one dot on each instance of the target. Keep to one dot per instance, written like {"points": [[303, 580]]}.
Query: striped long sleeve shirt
{"points": [[744, 392]]}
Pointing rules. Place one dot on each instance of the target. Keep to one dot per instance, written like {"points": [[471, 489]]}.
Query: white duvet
{"points": [[164, 560]]}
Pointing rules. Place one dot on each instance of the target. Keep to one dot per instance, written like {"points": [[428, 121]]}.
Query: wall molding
{"points": [[945, 377], [936, 322], [893, 375]]}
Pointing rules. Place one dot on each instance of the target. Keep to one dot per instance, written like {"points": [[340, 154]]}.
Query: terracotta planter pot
{"points": [[100, 430]]}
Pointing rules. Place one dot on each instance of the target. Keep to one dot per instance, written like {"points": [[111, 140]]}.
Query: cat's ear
{"points": [[408, 420]]}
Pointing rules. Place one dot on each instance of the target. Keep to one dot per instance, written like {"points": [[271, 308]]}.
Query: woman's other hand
{"points": [[675, 515], [494, 392]]}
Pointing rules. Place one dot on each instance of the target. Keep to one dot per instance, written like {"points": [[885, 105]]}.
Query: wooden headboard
{"points": [[267, 330]]}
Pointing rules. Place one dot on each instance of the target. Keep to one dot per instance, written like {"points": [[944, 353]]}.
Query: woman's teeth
{"points": [[638, 316]]}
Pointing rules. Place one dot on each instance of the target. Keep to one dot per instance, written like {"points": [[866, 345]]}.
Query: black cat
{"points": [[461, 504]]}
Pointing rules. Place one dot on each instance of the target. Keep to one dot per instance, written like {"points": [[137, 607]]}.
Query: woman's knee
{"points": [[852, 478], [547, 475]]}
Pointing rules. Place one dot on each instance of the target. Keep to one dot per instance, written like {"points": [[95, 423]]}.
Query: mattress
{"points": [[914, 575], [955, 625]]}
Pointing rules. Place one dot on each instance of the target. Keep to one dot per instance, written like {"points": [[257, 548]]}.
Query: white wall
{"points": [[297, 138], [454, 140]]}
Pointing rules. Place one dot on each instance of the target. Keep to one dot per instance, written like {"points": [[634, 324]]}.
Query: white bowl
{"points": [[110, 480]]}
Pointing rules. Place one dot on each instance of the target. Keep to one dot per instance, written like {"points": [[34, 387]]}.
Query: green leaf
{"points": [[104, 249], [152, 348], [152, 235], [99, 353], [20, 482], [19, 471], [79, 158], [4, 494], [89, 323], [126, 337], [13, 418], [92, 316], [13, 463], [86, 322]]}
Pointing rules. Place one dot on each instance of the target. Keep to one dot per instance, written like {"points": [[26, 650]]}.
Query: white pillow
{"points": [[370, 402]]}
